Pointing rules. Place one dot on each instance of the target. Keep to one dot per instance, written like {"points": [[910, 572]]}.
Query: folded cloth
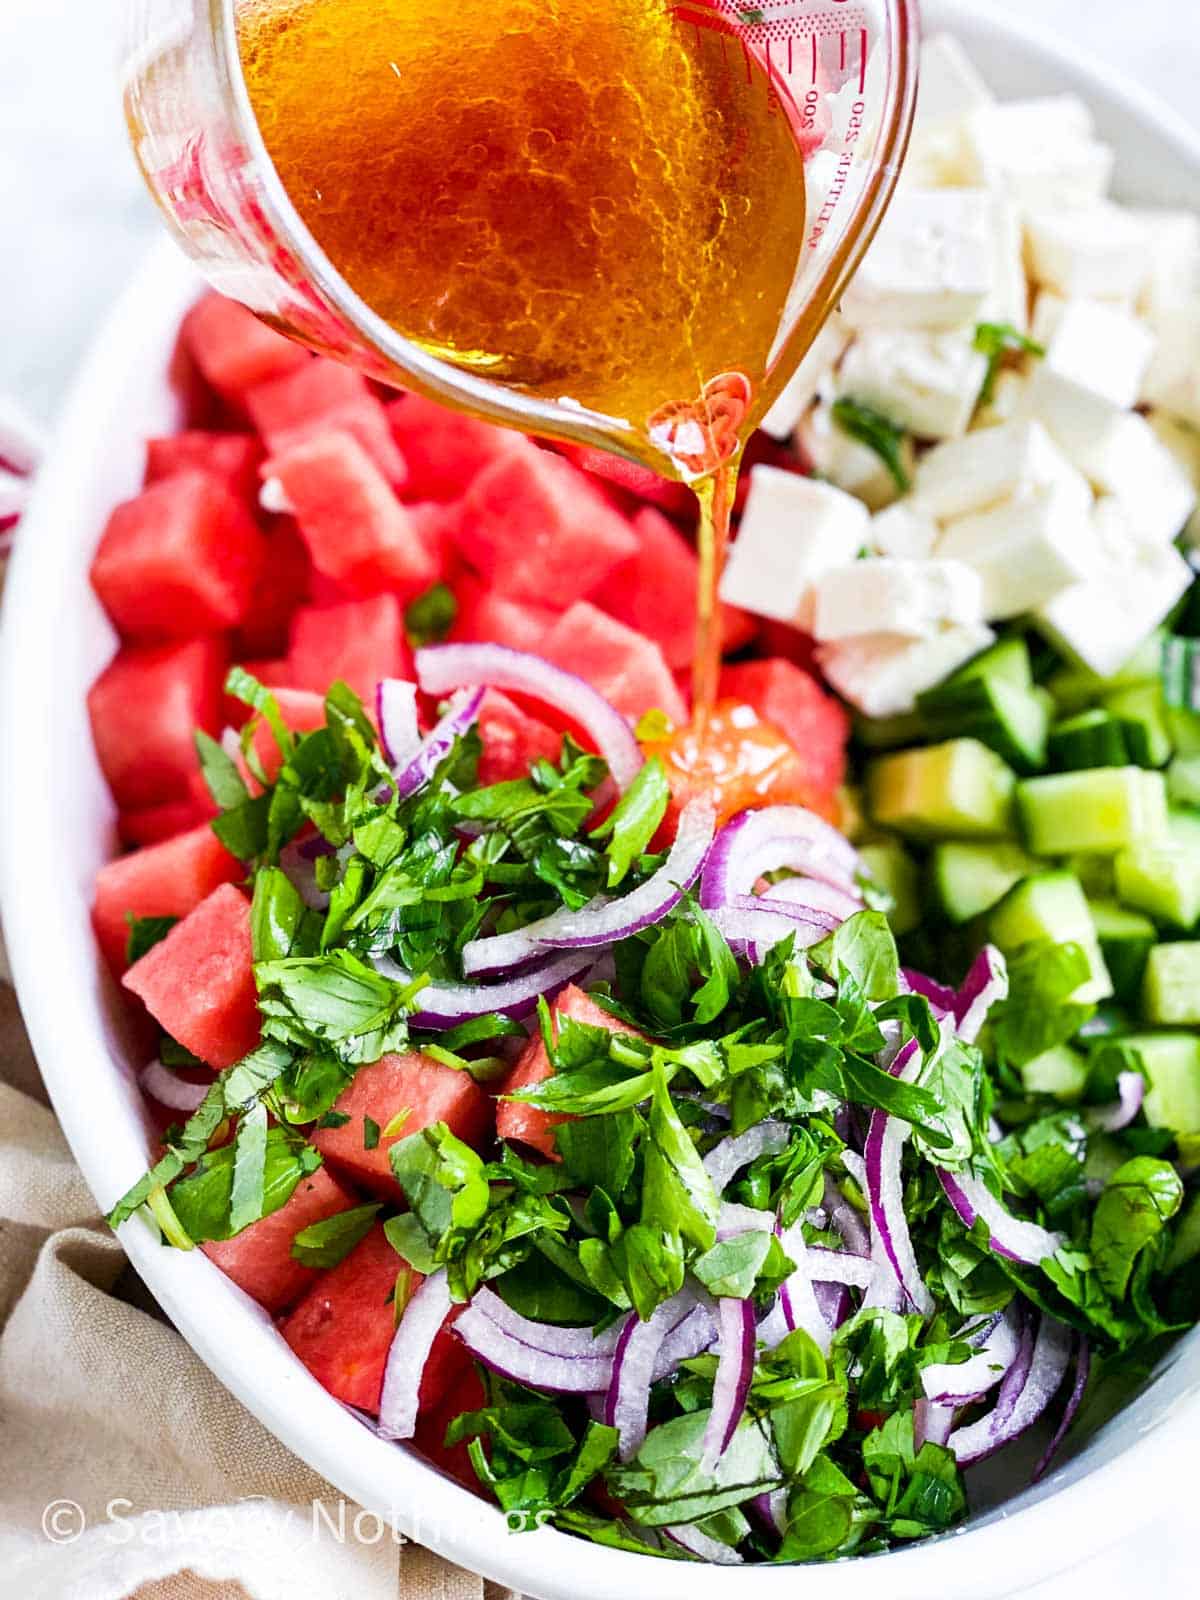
{"points": [[128, 1470]]}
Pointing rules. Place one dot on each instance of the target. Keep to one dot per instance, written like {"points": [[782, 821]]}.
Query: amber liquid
{"points": [[580, 199]]}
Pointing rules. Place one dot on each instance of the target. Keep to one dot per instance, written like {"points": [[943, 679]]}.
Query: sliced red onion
{"points": [[1025, 1393], [998, 1342], [752, 934], [462, 712], [844, 1219], [524, 1363], [778, 837], [984, 986], [419, 1326], [725, 1160], [690, 1337], [22, 442], [1083, 1367], [932, 1424], [742, 1219], [1011, 1236], [833, 1299], [883, 1154], [544, 1336], [632, 1372], [298, 866], [735, 1369], [772, 1510], [701, 1545], [446, 667], [839, 1266], [445, 1005], [807, 892], [940, 998], [1131, 1091], [796, 1295], [396, 715], [169, 1089]]}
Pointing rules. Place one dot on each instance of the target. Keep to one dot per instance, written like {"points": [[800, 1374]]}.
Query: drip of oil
{"points": [[587, 200]]}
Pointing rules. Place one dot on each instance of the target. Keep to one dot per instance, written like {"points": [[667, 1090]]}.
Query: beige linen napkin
{"points": [[126, 1469]]}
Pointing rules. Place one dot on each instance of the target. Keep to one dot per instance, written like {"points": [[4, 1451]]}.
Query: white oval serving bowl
{"points": [[56, 829]]}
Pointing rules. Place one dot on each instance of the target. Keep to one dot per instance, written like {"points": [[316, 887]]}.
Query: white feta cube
{"points": [[844, 461], [950, 89], [1173, 380], [1131, 588], [903, 533], [1009, 299], [1174, 248], [793, 529], [916, 598], [1025, 550], [932, 264], [1102, 348], [987, 467], [822, 356], [883, 673], [1040, 152], [1005, 401], [926, 383], [1100, 250]]}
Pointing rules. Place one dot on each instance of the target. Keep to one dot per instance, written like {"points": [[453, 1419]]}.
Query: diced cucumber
{"points": [[970, 879], [1183, 726], [1051, 906], [1061, 1072], [1183, 781], [850, 813], [895, 871], [1172, 1063], [1101, 811], [1171, 988], [1180, 669], [1183, 827], [889, 733], [1006, 661], [1126, 939], [1185, 1246], [1092, 738], [1075, 688], [1142, 709], [1104, 1155], [956, 789], [1163, 880], [1012, 721], [1095, 873]]}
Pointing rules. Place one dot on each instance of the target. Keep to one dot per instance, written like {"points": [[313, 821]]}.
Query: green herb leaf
{"points": [[1138, 1201], [869, 427], [429, 618], [144, 934], [635, 819], [325, 1243], [995, 340]]}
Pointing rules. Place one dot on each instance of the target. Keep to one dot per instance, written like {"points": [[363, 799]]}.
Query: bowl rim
{"points": [[1087, 1515]]}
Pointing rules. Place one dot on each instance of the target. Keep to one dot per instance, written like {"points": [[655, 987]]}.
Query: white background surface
{"points": [[73, 221]]}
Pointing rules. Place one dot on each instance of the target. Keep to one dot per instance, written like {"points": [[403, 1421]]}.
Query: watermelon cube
{"points": [[165, 880], [655, 592], [524, 1124], [180, 559], [485, 617], [234, 458], [343, 1328], [357, 532], [631, 478], [538, 529], [234, 350], [323, 397], [154, 824], [359, 641], [260, 1260], [401, 1094], [284, 584], [145, 708], [467, 1393], [198, 982], [302, 711], [627, 668], [512, 741], [794, 702], [434, 524], [446, 449], [271, 674]]}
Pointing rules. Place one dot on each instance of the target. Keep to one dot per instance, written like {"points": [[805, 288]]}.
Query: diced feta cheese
{"points": [[1025, 551], [1099, 250], [1100, 347], [1041, 152], [883, 673], [987, 467], [926, 383], [793, 529], [1101, 622], [272, 498], [932, 264], [1174, 249], [1009, 299], [903, 533], [916, 598], [823, 355], [950, 89], [845, 462], [1005, 403], [1181, 439], [1173, 381]]}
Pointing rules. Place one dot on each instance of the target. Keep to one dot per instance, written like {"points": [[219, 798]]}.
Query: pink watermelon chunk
{"points": [[165, 880], [357, 532], [446, 449], [512, 740], [232, 457], [302, 712], [284, 584], [402, 1094], [485, 617], [813, 722], [234, 350], [180, 559], [260, 1260], [155, 824], [145, 708], [538, 529], [434, 525], [321, 397], [359, 641], [627, 668], [631, 478], [198, 982], [655, 592]]}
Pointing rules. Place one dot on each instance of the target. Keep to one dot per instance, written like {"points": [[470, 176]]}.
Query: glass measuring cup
{"points": [[843, 71]]}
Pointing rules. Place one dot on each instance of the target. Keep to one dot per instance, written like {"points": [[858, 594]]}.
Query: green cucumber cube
{"points": [[1074, 688], [970, 879], [1126, 939], [1172, 1063], [1052, 906], [1142, 706], [1103, 810], [1162, 880], [956, 789], [1171, 987], [1183, 781], [1061, 1072], [895, 872]]}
